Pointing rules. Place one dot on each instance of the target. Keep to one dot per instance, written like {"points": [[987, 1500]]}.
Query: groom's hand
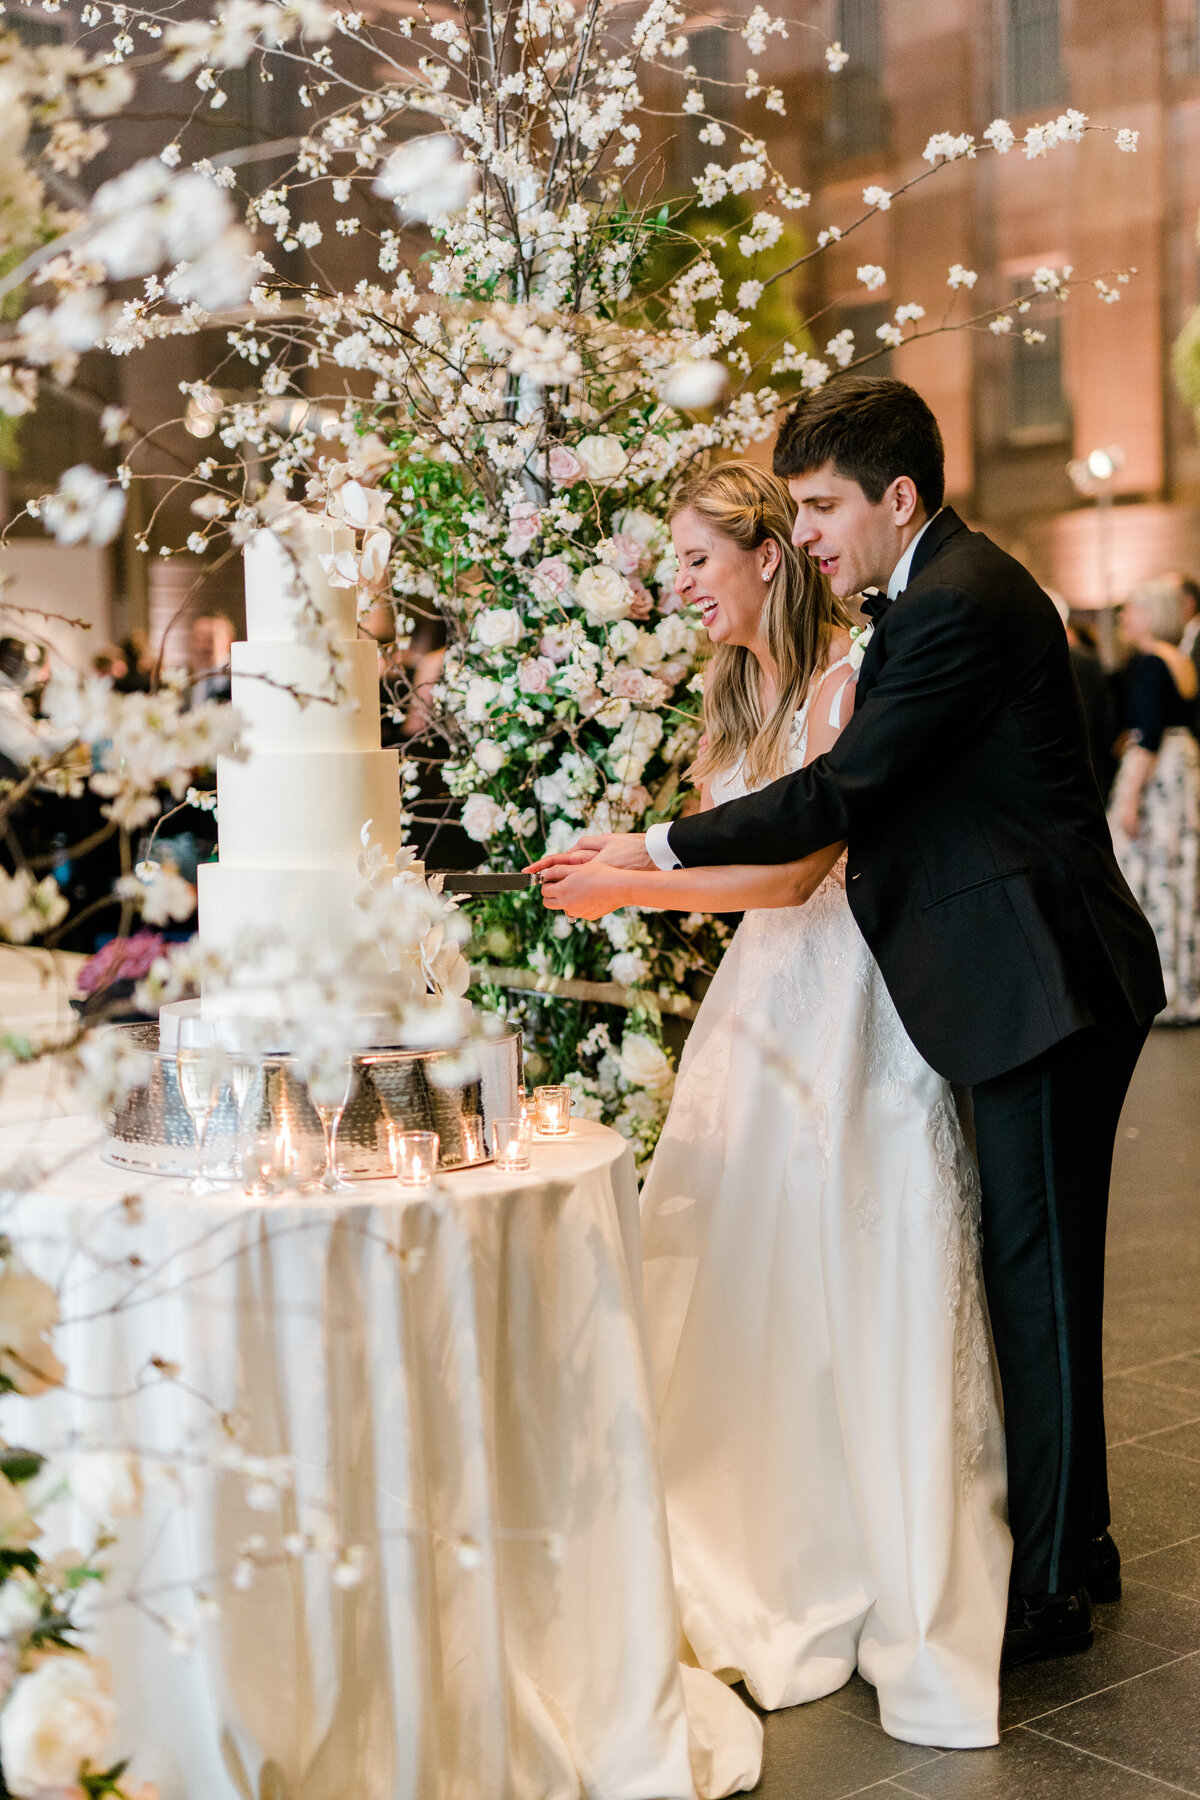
{"points": [[620, 849]]}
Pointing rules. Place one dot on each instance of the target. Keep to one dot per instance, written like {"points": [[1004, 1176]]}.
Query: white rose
{"points": [[622, 638], [58, 1717], [672, 634], [648, 651], [638, 524], [28, 1312], [107, 1484], [604, 594], [481, 692], [601, 458], [627, 967], [20, 1607], [481, 817], [500, 628], [489, 756], [643, 1064]]}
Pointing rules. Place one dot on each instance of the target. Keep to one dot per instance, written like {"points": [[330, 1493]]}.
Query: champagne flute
{"points": [[199, 1074], [241, 1080], [330, 1101]]}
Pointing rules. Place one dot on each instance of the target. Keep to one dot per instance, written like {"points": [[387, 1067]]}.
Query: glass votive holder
{"points": [[415, 1157], [552, 1111], [510, 1143], [471, 1131]]}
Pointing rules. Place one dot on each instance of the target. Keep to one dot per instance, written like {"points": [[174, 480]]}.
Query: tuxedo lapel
{"points": [[945, 526]]}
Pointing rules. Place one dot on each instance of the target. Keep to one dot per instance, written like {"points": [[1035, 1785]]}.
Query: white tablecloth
{"points": [[457, 1384]]}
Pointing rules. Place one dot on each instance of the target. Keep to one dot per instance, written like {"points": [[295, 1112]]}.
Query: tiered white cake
{"points": [[290, 818]]}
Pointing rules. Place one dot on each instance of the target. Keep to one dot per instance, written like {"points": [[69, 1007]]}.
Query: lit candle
{"points": [[552, 1110], [472, 1138], [415, 1157], [510, 1143]]}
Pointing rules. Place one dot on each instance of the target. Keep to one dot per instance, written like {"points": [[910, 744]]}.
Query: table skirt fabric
{"points": [[449, 1579]]}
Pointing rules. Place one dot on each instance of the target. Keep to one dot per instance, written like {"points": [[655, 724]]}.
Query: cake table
{"points": [[403, 1520]]}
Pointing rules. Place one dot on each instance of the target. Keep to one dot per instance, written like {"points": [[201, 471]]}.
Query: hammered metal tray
{"points": [[152, 1131]]}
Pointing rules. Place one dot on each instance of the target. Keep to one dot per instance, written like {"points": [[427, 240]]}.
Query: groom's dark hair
{"points": [[871, 429]]}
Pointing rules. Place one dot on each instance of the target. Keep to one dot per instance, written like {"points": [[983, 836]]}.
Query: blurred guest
{"points": [[1189, 642], [1155, 810], [139, 665], [110, 662], [1095, 693], [209, 646], [22, 736], [408, 673]]}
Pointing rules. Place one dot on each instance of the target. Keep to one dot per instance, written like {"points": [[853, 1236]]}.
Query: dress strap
{"points": [[835, 711]]}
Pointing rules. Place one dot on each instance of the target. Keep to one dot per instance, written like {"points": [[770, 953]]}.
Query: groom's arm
{"points": [[936, 689]]}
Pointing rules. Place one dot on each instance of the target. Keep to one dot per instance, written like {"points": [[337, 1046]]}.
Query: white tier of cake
{"points": [[290, 818]]}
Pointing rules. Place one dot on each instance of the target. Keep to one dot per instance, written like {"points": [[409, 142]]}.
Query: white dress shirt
{"points": [[658, 846]]}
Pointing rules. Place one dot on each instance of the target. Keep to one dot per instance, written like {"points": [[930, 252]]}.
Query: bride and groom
{"points": [[913, 834]]}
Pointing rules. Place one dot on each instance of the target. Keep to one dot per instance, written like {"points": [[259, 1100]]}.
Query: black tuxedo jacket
{"points": [[981, 870]]}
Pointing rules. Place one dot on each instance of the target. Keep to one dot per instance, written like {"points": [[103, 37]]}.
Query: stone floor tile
{"points": [[1176, 1440], [1153, 1617], [1028, 1766], [1039, 1688], [816, 1752], [1135, 1407], [1175, 1569], [1149, 1724], [1155, 1498]]}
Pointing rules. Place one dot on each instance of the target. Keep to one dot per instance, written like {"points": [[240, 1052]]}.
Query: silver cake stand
{"points": [[153, 1132]]}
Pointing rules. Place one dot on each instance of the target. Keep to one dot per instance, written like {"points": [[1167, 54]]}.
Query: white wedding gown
{"points": [[830, 1424]]}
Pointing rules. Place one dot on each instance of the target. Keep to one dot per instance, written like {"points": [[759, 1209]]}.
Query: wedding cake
{"points": [[290, 817]]}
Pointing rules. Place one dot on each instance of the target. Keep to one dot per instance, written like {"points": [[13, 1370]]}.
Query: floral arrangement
{"points": [[57, 1715]]}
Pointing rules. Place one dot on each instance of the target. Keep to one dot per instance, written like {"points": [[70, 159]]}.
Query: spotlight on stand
{"points": [[1092, 476]]}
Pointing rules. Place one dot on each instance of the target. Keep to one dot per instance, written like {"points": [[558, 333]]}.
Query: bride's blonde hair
{"points": [[751, 507]]}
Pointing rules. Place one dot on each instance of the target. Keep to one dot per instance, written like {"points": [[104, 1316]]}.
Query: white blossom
{"points": [[871, 275], [426, 178], [960, 277]]}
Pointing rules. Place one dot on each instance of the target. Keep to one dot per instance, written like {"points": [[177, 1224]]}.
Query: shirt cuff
{"points": [[658, 847]]}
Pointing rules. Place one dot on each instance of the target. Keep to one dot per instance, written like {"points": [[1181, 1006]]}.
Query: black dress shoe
{"points": [[1104, 1570], [1046, 1625]]}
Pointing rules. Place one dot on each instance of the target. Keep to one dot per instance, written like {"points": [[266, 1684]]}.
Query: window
{"points": [[864, 321], [1033, 71], [858, 115], [708, 49], [1038, 408]]}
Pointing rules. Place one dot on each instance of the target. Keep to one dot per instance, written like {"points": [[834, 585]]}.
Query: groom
{"points": [[981, 874]]}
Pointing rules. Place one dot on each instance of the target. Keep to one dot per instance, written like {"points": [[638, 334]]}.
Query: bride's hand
{"points": [[619, 849], [583, 890]]}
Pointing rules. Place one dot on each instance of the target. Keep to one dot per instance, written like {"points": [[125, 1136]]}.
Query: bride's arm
{"points": [[591, 888]]}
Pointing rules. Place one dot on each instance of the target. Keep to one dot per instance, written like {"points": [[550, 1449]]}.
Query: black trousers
{"points": [[1045, 1133]]}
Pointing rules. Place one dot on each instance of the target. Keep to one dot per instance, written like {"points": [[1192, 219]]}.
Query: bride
{"points": [[829, 1419]]}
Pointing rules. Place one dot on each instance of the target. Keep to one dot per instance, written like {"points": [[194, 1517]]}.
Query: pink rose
{"points": [[672, 673], [642, 604], [670, 602], [555, 644], [553, 576], [565, 466], [533, 674], [629, 683], [628, 553], [524, 523]]}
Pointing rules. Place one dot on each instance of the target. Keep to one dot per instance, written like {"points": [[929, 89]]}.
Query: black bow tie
{"points": [[874, 605]]}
